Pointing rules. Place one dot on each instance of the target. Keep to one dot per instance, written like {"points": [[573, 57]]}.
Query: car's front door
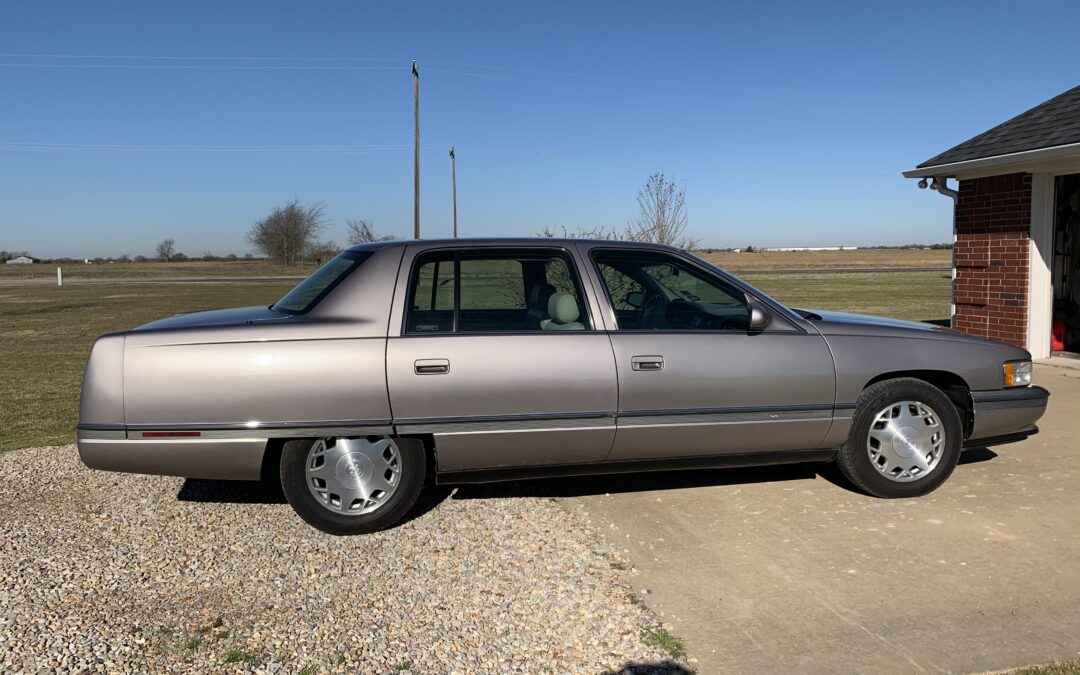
{"points": [[499, 359], [693, 378]]}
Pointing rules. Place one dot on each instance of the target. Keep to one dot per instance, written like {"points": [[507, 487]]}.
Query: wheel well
{"points": [[951, 384], [429, 450]]}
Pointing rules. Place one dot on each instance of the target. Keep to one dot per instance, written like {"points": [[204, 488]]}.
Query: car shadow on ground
{"points": [[229, 492], [579, 486], [830, 472], [206, 491], [268, 492], [650, 668]]}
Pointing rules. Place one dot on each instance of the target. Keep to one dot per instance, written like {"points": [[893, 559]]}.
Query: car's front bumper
{"points": [[1005, 415]]}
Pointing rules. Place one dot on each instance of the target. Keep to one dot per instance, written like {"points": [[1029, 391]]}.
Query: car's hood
{"points": [[216, 318], [868, 320], [844, 323]]}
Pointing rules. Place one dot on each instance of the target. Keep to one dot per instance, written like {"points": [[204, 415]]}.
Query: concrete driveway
{"points": [[780, 570]]}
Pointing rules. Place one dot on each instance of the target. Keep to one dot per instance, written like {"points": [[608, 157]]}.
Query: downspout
{"points": [[940, 186]]}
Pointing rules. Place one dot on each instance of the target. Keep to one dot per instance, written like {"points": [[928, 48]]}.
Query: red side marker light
{"points": [[171, 434]]}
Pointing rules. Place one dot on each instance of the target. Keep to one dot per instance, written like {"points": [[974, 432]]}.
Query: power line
{"points": [[148, 66], [575, 85], [180, 57], [139, 148], [326, 63]]}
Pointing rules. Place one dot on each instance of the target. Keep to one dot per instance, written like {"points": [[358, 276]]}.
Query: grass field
{"points": [[46, 332], [736, 262], [156, 270], [766, 260]]}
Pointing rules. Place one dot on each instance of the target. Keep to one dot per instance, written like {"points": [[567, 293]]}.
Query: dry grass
{"points": [[46, 332], [1070, 667], [737, 262], [262, 268], [917, 296], [156, 270]]}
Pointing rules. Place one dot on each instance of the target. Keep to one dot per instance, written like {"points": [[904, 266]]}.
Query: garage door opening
{"points": [[1065, 328]]}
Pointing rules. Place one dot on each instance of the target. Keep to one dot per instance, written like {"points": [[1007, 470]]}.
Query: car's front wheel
{"points": [[352, 485], [905, 439]]}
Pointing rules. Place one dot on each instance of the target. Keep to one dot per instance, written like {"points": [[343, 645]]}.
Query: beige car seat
{"points": [[563, 312]]}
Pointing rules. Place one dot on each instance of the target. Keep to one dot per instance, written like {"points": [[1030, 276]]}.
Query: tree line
{"points": [[290, 234]]}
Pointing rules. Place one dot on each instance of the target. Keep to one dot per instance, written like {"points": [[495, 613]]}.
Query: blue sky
{"points": [[787, 123]]}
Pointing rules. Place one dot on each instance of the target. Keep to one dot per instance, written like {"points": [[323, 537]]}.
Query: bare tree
{"points": [[662, 215], [321, 251], [166, 249], [362, 232], [285, 235], [599, 232]]}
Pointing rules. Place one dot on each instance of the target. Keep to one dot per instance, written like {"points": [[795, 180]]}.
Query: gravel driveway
{"points": [[113, 572]]}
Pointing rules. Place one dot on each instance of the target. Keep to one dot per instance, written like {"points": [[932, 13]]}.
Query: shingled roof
{"points": [[1047, 125]]}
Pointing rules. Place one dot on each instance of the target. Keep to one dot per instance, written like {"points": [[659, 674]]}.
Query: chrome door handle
{"points": [[647, 363], [431, 366]]}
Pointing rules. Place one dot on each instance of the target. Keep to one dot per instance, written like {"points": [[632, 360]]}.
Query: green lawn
{"points": [[46, 332], [917, 296]]}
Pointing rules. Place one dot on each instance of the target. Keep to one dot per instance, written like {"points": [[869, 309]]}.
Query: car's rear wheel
{"points": [[905, 439], [352, 485]]}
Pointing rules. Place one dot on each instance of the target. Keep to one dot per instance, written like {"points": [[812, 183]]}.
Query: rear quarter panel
{"points": [[328, 365], [261, 376], [102, 398]]}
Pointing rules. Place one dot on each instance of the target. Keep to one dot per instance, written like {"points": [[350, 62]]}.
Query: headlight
{"points": [[1017, 373]]}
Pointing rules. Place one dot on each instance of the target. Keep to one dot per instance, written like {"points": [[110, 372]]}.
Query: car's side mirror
{"points": [[759, 317], [635, 299]]}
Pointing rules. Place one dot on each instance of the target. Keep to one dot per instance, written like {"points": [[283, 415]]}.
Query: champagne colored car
{"points": [[462, 361]]}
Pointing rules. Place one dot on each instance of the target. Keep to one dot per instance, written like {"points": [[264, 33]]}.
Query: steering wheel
{"points": [[652, 316]]}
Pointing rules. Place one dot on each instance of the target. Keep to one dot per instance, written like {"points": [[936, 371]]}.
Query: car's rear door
{"points": [[480, 362], [693, 379]]}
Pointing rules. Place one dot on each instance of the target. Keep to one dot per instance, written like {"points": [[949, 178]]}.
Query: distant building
{"points": [[23, 260]]}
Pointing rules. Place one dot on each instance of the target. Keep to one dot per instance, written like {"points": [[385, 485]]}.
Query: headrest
{"points": [[540, 294], [563, 308]]}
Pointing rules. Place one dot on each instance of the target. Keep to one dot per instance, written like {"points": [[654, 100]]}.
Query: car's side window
{"points": [[658, 291], [431, 306], [495, 292], [624, 292]]}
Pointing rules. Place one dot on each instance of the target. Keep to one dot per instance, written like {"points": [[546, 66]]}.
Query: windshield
{"points": [[310, 291]]}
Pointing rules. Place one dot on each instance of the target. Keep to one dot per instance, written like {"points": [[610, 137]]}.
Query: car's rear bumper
{"points": [[1005, 415], [219, 458]]}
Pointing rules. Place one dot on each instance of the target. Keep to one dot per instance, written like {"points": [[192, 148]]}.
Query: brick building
{"points": [[1016, 223]]}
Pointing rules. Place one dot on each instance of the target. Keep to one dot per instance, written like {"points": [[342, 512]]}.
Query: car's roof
{"points": [[506, 241]]}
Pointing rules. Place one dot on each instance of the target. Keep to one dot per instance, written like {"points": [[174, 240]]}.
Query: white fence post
{"points": [[59, 277]]}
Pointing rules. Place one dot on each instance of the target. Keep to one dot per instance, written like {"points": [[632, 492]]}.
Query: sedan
{"points": [[462, 361]]}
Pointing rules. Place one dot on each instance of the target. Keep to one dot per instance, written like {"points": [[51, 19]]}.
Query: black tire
{"points": [[854, 460], [413, 470]]}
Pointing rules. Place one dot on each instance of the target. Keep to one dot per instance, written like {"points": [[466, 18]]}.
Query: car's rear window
{"points": [[310, 291]]}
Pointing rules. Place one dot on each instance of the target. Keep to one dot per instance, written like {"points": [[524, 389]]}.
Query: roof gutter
{"points": [[1023, 157]]}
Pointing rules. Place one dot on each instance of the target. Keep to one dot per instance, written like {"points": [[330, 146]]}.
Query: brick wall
{"points": [[993, 224]]}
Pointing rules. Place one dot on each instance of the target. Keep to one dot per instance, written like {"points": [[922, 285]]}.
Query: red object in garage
{"points": [[1057, 336]]}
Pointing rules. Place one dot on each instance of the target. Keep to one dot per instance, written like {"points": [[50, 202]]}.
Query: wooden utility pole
{"points": [[453, 184], [416, 151]]}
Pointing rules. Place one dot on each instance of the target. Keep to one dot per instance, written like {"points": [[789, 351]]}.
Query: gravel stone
{"points": [[108, 572]]}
